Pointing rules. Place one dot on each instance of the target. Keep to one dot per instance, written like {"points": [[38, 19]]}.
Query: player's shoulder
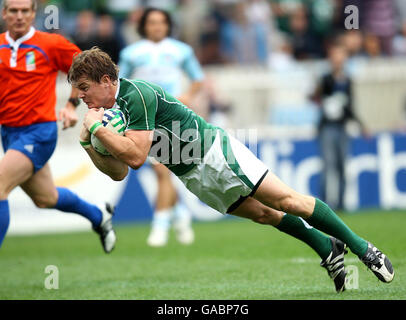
{"points": [[139, 86], [48, 35], [136, 93], [49, 40]]}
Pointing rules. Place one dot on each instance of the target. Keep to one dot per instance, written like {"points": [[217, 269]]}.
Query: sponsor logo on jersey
{"points": [[30, 61]]}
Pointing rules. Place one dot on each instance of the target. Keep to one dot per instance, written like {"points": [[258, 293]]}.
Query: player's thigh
{"points": [[167, 195], [41, 188], [274, 193], [15, 168], [254, 210]]}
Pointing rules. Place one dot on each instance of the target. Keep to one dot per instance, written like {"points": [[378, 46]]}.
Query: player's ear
{"points": [[105, 80]]}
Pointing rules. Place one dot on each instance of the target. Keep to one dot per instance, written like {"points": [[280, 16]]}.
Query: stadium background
{"points": [[258, 83], [259, 75]]}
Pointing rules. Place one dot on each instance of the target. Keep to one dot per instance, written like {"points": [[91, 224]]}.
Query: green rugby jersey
{"points": [[181, 137]]}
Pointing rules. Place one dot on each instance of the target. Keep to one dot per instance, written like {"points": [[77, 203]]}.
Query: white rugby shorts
{"points": [[228, 173]]}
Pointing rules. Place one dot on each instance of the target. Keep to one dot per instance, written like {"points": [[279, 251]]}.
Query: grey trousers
{"points": [[334, 147]]}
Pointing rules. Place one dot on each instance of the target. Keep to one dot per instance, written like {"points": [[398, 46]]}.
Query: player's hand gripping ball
{"points": [[114, 120]]}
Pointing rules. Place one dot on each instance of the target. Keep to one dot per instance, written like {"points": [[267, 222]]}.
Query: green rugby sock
{"points": [[324, 219], [300, 229]]}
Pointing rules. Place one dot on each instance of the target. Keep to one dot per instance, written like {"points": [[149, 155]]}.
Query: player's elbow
{"points": [[119, 175], [135, 164]]}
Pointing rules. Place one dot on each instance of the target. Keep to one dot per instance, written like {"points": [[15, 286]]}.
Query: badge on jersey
{"points": [[30, 61]]}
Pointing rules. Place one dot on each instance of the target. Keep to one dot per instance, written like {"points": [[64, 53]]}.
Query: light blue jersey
{"points": [[161, 63]]}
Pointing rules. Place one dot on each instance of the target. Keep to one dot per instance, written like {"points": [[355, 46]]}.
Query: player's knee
{"points": [[268, 216], [5, 188], [288, 204], [42, 201]]}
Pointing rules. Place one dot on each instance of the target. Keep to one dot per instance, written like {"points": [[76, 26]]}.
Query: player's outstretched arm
{"points": [[131, 149], [115, 169]]}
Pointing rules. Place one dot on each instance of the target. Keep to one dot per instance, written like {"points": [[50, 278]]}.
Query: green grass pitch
{"points": [[231, 259]]}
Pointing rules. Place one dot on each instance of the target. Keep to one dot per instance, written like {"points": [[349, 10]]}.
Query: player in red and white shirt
{"points": [[29, 64]]}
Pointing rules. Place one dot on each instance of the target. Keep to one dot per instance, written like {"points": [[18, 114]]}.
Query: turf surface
{"points": [[231, 259]]}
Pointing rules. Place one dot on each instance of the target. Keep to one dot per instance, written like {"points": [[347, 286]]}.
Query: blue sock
{"points": [[70, 202], [4, 219]]}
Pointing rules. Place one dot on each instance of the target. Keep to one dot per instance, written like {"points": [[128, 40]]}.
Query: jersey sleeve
{"points": [[141, 108], [63, 52], [192, 66]]}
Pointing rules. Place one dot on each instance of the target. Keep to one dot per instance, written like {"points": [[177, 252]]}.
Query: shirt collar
{"points": [[157, 43], [16, 43], [118, 89]]}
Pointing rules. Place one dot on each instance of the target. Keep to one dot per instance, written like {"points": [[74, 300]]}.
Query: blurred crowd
{"points": [[240, 31]]}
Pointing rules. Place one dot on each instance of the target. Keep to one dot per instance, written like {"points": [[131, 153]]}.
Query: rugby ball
{"points": [[114, 120]]}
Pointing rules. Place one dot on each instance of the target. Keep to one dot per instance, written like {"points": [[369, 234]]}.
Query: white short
{"points": [[226, 174]]}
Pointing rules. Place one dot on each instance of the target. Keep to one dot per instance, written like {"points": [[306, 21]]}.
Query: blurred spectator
{"points": [[379, 21], [281, 59], [353, 41], [372, 46], [69, 10], [399, 42], [245, 41], [259, 13], [76, 6], [400, 13], [305, 44], [120, 8], [209, 51], [190, 17], [167, 5], [334, 94], [105, 38], [129, 27], [321, 14], [283, 9], [84, 36]]}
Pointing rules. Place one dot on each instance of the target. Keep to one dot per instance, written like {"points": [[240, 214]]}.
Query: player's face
{"points": [[156, 26], [94, 94], [18, 16]]}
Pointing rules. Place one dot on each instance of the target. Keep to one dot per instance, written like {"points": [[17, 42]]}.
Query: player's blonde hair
{"points": [[92, 64], [33, 5]]}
